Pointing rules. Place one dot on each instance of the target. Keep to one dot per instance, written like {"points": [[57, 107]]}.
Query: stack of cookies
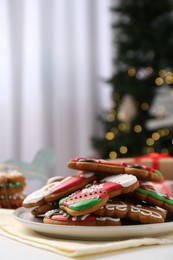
{"points": [[101, 193], [12, 184]]}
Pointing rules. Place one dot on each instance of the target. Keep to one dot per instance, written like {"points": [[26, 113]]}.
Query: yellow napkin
{"points": [[12, 229]]}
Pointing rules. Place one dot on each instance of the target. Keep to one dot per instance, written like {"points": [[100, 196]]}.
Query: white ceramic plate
{"points": [[91, 233]]}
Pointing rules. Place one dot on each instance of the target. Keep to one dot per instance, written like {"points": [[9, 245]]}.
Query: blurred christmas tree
{"points": [[141, 118]]}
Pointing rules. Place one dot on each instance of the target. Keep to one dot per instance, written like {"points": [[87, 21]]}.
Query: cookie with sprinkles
{"points": [[60, 217], [92, 197], [148, 194]]}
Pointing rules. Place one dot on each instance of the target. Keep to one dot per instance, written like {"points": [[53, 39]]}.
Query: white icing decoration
{"points": [[120, 207], [87, 175], [53, 179], [5, 173], [84, 216], [108, 219], [38, 195], [93, 188], [146, 212], [125, 180]]}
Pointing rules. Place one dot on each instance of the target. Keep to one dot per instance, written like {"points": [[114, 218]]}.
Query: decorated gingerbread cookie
{"points": [[60, 217], [148, 194], [115, 207], [96, 165], [136, 212], [12, 185], [11, 180], [99, 165], [95, 196], [56, 190], [69, 184]]}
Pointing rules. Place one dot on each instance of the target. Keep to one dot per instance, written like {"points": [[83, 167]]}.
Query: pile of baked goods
{"points": [[101, 193], [12, 184]]}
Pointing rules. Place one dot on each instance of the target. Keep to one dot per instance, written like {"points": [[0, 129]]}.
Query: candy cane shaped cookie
{"points": [[95, 196]]}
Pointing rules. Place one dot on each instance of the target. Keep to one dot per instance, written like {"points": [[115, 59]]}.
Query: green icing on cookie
{"points": [[85, 204], [61, 202], [15, 185], [155, 195], [158, 173], [11, 185]]}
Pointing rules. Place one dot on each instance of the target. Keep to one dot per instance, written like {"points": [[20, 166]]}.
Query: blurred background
{"points": [[54, 58], [85, 78]]}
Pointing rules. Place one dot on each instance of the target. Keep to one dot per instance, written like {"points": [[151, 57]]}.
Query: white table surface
{"points": [[11, 249]]}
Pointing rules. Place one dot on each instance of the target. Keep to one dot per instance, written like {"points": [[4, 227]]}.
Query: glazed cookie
{"points": [[95, 196], [136, 212], [98, 165], [60, 217], [56, 190], [148, 194]]}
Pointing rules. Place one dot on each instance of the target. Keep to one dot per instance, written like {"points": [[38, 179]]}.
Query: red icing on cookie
{"points": [[67, 183], [64, 218], [98, 191], [93, 160], [141, 167]]}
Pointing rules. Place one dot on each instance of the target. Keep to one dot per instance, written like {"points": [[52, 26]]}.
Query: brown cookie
{"points": [[60, 217], [11, 180], [96, 165], [136, 212], [148, 194], [99, 165]]}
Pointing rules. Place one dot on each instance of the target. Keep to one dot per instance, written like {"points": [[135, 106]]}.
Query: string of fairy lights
{"points": [[164, 77]]}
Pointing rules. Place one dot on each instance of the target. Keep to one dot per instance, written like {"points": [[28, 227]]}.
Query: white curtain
{"points": [[54, 58]]}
